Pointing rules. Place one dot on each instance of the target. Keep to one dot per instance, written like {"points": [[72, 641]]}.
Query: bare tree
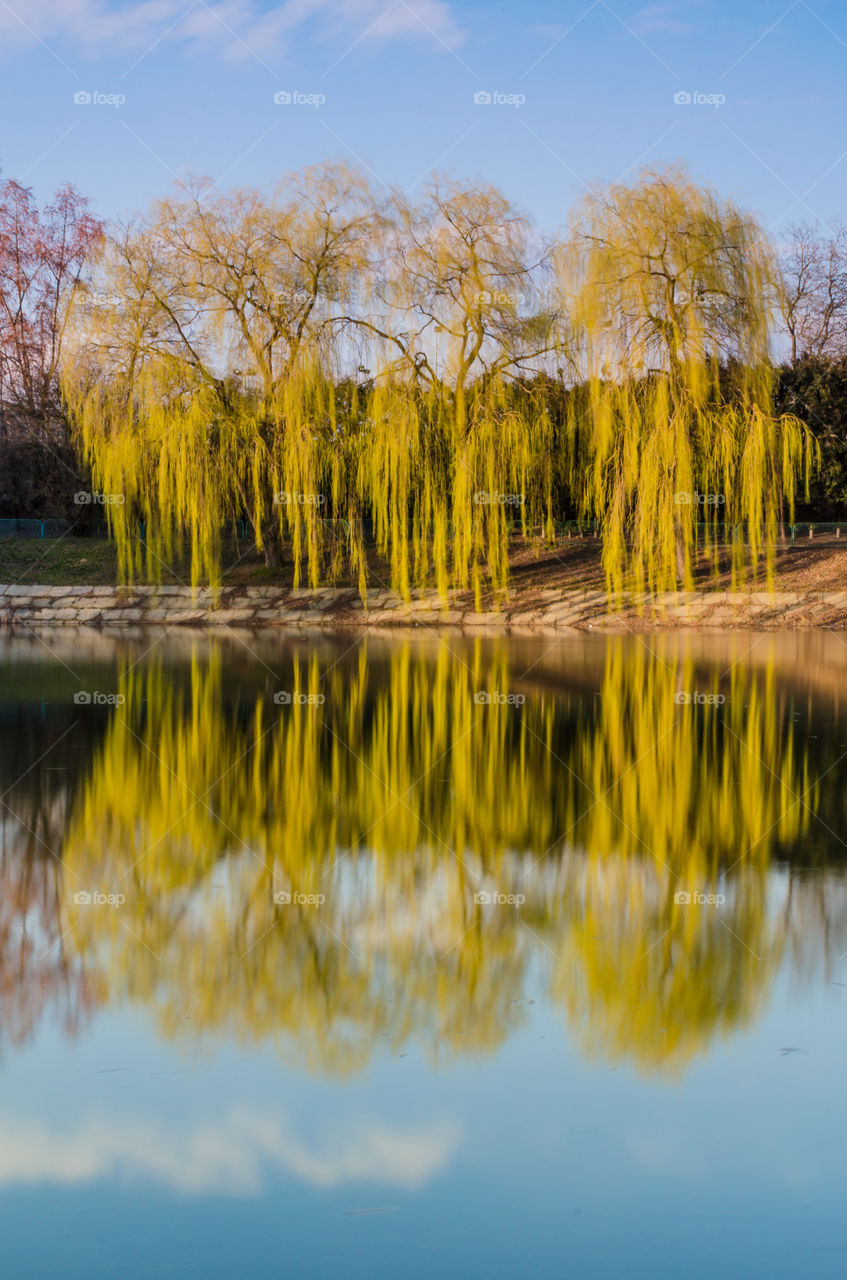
{"points": [[813, 290], [42, 259], [458, 292]]}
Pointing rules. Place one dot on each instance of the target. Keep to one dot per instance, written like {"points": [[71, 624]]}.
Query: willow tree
{"points": [[203, 386], [671, 291], [455, 313], [596, 810]]}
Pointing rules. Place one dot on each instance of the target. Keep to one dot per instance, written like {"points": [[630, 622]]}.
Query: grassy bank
{"points": [[575, 562]]}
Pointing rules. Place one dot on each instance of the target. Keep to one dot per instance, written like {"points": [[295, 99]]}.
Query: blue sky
{"points": [[399, 81]]}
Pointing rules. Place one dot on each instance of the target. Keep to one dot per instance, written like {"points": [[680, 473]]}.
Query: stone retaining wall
{"points": [[552, 609]]}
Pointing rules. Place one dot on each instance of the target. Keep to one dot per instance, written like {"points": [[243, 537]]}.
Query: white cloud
{"points": [[659, 17], [235, 28], [225, 1157]]}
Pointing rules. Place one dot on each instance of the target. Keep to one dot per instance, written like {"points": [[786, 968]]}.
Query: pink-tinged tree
{"points": [[43, 255]]}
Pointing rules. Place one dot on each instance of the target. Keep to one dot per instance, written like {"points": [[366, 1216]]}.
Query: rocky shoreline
{"points": [[522, 610]]}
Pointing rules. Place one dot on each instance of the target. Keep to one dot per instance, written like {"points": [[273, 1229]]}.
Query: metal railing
{"points": [[802, 531], [727, 534], [24, 527]]}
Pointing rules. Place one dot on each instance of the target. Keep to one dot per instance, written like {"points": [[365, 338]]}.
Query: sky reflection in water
{"points": [[404, 977]]}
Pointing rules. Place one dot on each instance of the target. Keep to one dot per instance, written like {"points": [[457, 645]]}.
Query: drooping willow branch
{"points": [[222, 380]]}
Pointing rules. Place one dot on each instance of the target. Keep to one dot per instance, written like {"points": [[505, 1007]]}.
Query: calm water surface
{"points": [[344, 957]]}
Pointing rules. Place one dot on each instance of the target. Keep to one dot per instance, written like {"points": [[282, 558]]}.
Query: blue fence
{"points": [[727, 534], [59, 528], [802, 532], [25, 528]]}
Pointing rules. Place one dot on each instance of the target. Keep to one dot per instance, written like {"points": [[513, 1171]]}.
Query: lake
{"points": [[326, 955]]}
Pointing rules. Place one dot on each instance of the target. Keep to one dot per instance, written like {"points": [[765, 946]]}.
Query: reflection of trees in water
{"points": [[37, 973], [646, 978], [813, 923], [693, 799], [399, 798]]}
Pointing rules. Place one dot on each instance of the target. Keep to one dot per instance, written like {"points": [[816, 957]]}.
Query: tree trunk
{"points": [[272, 545]]}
